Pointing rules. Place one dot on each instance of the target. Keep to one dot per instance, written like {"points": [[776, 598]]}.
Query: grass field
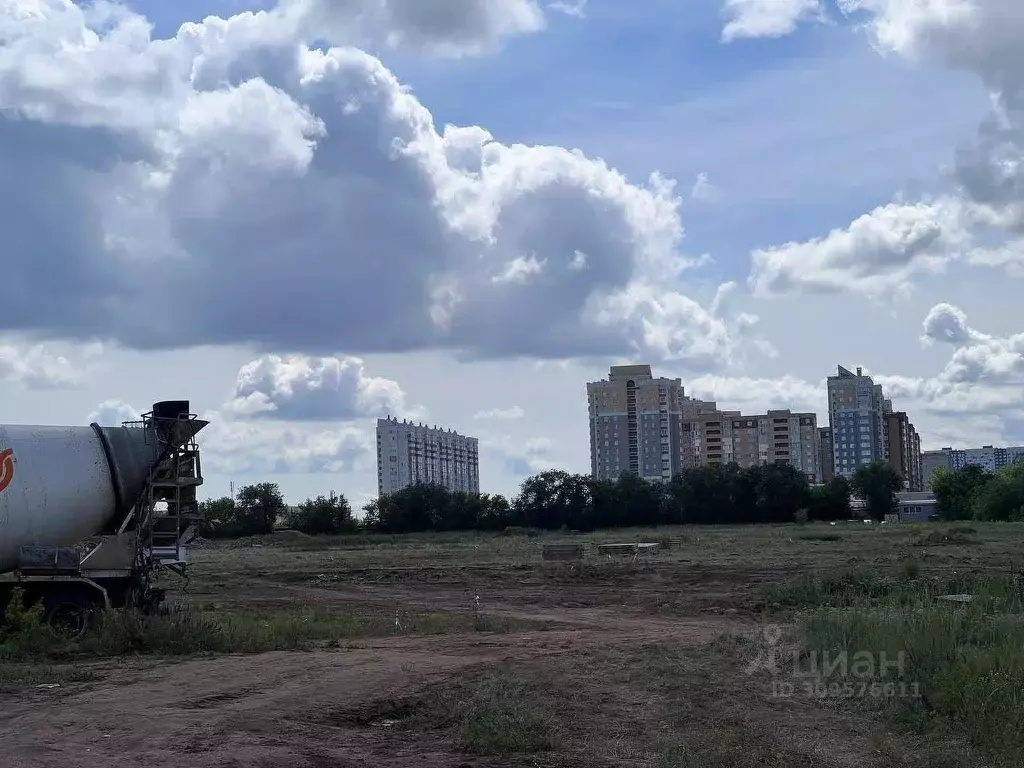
{"points": [[811, 645]]}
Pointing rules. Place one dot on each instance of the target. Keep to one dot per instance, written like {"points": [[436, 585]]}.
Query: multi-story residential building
{"points": [[933, 460], [636, 424], [903, 449], [692, 410], [825, 458], [712, 437], [856, 410], [776, 437], [988, 457], [409, 453], [917, 470]]}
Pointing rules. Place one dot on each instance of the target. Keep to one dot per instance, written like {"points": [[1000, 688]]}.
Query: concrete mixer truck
{"points": [[90, 515]]}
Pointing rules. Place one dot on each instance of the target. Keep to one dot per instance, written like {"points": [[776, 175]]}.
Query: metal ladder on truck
{"points": [[168, 512]]}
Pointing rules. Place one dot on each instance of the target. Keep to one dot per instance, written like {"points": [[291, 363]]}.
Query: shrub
{"points": [[502, 718], [26, 634]]}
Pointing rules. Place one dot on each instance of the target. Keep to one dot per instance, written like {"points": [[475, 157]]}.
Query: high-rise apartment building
{"points": [[711, 436], [856, 410], [776, 437], [409, 453], [903, 449], [636, 424], [917, 470], [692, 411], [825, 458]]}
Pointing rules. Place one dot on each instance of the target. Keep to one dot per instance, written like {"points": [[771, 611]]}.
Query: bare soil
{"points": [[638, 665]]}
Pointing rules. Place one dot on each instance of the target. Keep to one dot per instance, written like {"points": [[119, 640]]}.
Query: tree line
{"points": [[971, 493], [554, 500]]}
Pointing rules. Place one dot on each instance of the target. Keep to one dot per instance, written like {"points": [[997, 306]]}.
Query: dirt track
{"points": [[286, 709]]}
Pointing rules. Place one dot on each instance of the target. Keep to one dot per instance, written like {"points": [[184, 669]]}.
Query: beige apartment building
{"points": [[776, 437], [647, 426], [636, 424]]}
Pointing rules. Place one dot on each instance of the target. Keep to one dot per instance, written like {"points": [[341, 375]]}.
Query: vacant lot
{"points": [[470, 650]]}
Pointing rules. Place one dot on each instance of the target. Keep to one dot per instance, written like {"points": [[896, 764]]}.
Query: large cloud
{"points": [[300, 388], [879, 253], [753, 396], [232, 185], [232, 446], [447, 27], [947, 324], [238, 447], [984, 375], [37, 366]]}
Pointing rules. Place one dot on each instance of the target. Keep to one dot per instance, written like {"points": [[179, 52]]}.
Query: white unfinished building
{"points": [[409, 453]]}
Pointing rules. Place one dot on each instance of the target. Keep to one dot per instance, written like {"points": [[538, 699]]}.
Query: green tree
{"points": [[554, 499], [877, 483], [1001, 496], [495, 512], [956, 491], [259, 506], [323, 515], [781, 490], [830, 501], [219, 519]]}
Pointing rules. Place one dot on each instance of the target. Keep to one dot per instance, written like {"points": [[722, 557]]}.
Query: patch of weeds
{"points": [[603, 570], [820, 537], [841, 589], [14, 677], [27, 641], [944, 539], [939, 749], [25, 635], [175, 631], [963, 530], [502, 717], [966, 661], [726, 748], [911, 569], [182, 630], [862, 587]]}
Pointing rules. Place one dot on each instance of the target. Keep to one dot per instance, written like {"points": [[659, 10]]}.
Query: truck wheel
{"points": [[68, 614]]}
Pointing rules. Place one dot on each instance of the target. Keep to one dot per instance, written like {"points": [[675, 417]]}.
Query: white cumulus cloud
{"points": [[313, 183], [111, 413], [767, 18], [36, 366], [302, 388], [500, 414], [879, 253]]}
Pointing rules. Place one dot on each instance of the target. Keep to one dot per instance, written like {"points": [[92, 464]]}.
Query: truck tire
{"points": [[69, 612]]}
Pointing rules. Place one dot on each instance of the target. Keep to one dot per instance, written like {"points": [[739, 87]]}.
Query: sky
{"points": [[302, 215]]}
